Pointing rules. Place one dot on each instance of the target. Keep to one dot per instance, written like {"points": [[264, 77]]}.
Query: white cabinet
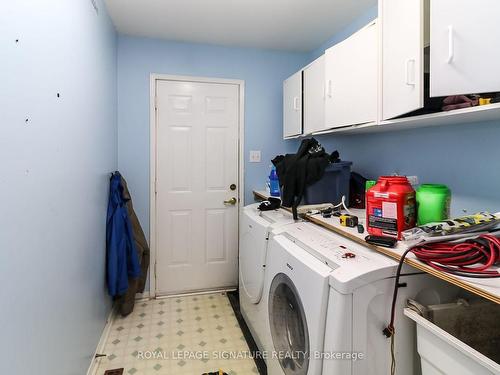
{"points": [[402, 56], [292, 105], [314, 96], [351, 79], [415, 50], [461, 36], [465, 40]]}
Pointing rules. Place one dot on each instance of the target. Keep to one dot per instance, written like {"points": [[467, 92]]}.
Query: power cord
{"points": [[343, 204], [389, 331], [472, 258]]}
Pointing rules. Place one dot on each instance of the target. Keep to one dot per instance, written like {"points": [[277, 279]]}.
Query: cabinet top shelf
{"points": [[483, 113]]}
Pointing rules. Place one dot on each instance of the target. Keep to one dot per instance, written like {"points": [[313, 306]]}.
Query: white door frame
{"points": [[153, 156]]}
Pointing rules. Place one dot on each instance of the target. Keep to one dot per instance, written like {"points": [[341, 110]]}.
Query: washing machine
{"points": [[255, 227], [329, 300]]}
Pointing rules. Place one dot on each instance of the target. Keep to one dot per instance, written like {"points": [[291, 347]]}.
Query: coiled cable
{"points": [[473, 258]]}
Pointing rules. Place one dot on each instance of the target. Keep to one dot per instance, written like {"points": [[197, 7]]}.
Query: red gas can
{"points": [[390, 207]]}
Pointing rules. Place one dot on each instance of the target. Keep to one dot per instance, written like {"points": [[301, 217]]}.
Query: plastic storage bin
{"points": [[332, 186], [442, 350]]}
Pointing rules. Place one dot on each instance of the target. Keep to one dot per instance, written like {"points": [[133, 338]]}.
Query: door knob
{"points": [[231, 201]]}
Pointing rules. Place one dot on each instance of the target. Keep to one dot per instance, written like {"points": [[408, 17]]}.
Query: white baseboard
{"points": [[200, 292], [143, 295], [102, 343]]}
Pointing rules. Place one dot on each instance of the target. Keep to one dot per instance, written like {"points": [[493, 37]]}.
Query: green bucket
{"points": [[433, 203]]}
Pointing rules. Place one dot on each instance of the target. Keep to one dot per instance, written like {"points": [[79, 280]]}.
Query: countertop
{"points": [[487, 288]]}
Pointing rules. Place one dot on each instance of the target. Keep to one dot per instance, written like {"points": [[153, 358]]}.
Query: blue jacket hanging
{"points": [[121, 256]]}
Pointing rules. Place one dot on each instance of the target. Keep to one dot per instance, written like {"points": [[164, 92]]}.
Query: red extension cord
{"points": [[472, 258]]}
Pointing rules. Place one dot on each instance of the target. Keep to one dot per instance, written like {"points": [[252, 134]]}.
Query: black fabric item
{"points": [[269, 205], [126, 302], [357, 193], [296, 171]]}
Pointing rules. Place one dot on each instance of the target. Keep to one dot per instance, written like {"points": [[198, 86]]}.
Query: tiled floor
{"points": [[179, 335]]}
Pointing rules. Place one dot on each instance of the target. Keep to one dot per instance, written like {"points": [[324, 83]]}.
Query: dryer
{"points": [[328, 302], [255, 227]]}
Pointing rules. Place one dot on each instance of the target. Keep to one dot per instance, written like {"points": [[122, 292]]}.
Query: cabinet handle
{"points": [[329, 88], [296, 103], [410, 79], [451, 47]]}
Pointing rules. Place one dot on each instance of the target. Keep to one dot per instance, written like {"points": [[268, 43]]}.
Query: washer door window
{"points": [[288, 326]]}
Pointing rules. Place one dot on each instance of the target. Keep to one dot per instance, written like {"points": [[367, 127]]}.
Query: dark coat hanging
{"points": [[122, 261], [125, 303]]}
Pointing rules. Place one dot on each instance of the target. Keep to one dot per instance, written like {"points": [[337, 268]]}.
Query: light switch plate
{"points": [[254, 157]]}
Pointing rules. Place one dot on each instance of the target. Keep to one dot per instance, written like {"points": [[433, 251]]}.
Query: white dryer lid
{"points": [[353, 265]]}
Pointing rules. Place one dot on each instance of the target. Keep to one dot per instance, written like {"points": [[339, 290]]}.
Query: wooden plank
{"points": [[486, 288], [260, 195]]}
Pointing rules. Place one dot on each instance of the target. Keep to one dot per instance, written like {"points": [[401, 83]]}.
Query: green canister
{"points": [[433, 203], [369, 184]]}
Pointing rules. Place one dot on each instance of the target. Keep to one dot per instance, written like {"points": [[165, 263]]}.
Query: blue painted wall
{"points": [[464, 157], [54, 182], [263, 72]]}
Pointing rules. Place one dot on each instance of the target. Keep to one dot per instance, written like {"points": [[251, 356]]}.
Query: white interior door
{"points": [[292, 105], [465, 37], [402, 56], [314, 96], [351, 74], [197, 162]]}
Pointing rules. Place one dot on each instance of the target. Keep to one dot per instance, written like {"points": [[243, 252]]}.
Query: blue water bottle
{"points": [[274, 184]]}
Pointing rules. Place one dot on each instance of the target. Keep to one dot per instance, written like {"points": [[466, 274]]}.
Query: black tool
{"points": [[361, 228], [381, 241], [271, 204], [327, 213]]}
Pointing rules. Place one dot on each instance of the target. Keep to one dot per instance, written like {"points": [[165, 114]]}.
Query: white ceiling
{"points": [[293, 25]]}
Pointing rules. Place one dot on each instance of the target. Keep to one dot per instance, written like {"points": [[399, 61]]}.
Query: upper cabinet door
{"points": [[465, 37], [402, 56], [292, 105], [351, 79], [314, 96]]}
